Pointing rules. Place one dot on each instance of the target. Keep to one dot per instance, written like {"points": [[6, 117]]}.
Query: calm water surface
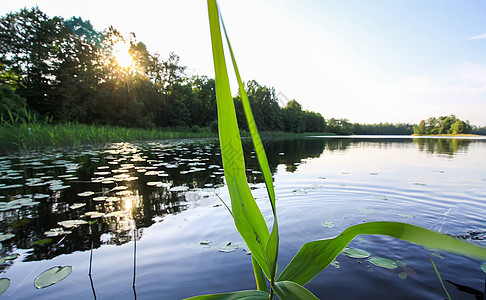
{"points": [[148, 207]]}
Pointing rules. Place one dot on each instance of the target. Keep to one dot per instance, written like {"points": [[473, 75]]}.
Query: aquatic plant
{"points": [[314, 256]]}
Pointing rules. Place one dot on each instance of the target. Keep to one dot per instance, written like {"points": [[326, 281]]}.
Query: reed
{"points": [[314, 256], [28, 134]]}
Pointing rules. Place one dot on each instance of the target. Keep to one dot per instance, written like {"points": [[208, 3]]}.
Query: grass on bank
{"points": [[28, 136]]}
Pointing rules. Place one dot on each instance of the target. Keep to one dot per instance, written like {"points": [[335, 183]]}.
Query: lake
{"points": [[150, 213]]}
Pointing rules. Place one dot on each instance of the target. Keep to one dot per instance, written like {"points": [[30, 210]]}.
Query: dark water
{"points": [[157, 201]]}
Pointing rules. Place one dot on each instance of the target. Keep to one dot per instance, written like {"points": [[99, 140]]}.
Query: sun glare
{"points": [[122, 55]]}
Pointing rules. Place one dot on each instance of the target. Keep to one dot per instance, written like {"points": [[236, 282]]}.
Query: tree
{"points": [[314, 122], [420, 128], [293, 117]]}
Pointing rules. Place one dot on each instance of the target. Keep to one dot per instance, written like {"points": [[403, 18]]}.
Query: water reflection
{"points": [[443, 146], [113, 192]]}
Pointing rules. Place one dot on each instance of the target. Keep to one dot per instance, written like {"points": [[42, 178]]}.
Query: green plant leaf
{"points": [[4, 284], [271, 248], [259, 277], [289, 290], [240, 295], [356, 253], [247, 216], [315, 256], [383, 262], [52, 276], [42, 241]]}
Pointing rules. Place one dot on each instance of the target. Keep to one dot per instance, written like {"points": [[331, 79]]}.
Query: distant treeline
{"points": [[64, 71], [446, 125]]}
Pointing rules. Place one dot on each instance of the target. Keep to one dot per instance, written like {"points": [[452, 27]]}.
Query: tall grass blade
{"points": [[315, 256], [240, 295], [271, 249], [440, 278], [247, 216]]}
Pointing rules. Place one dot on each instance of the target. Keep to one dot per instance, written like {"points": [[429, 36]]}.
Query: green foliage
{"points": [[442, 125], [12, 106], [313, 256]]}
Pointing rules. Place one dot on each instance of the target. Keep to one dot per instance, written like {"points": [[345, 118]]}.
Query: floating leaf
{"points": [[403, 275], [228, 247], [383, 262], [356, 253], [19, 223], [4, 284], [100, 198], [483, 267], [119, 188], [205, 242], [86, 194], [328, 224], [8, 257], [42, 242], [335, 264], [52, 276], [56, 232], [6, 236], [77, 205], [179, 189], [400, 263], [116, 214], [93, 214], [410, 271], [59, 187], [366, 211], [406, 216], [71, 223]]}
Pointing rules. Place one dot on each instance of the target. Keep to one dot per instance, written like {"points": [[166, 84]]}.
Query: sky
{"points": [[368, 61]]}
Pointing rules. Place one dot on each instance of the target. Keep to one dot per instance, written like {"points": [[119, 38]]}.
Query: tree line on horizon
{"points": [[63, 70], [443, 125]]}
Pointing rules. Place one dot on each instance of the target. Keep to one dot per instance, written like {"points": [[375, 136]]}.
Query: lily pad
{"points": [[6, 236], [383, 262], [401, 263], [56, 232], [205, 242], [42, 242], [406, 216], [117, 213], [335, 264], [179, 188], [356, 253], [52, 276], [100, 198], [119, 188], [71, 223], [59, 187], [483, 267], [19, 223], [94, 214], [86, 194], [77, 205], [228, 248], [327, 224], [8, 257], [403, 275], [4, 284], [366, 211]]}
